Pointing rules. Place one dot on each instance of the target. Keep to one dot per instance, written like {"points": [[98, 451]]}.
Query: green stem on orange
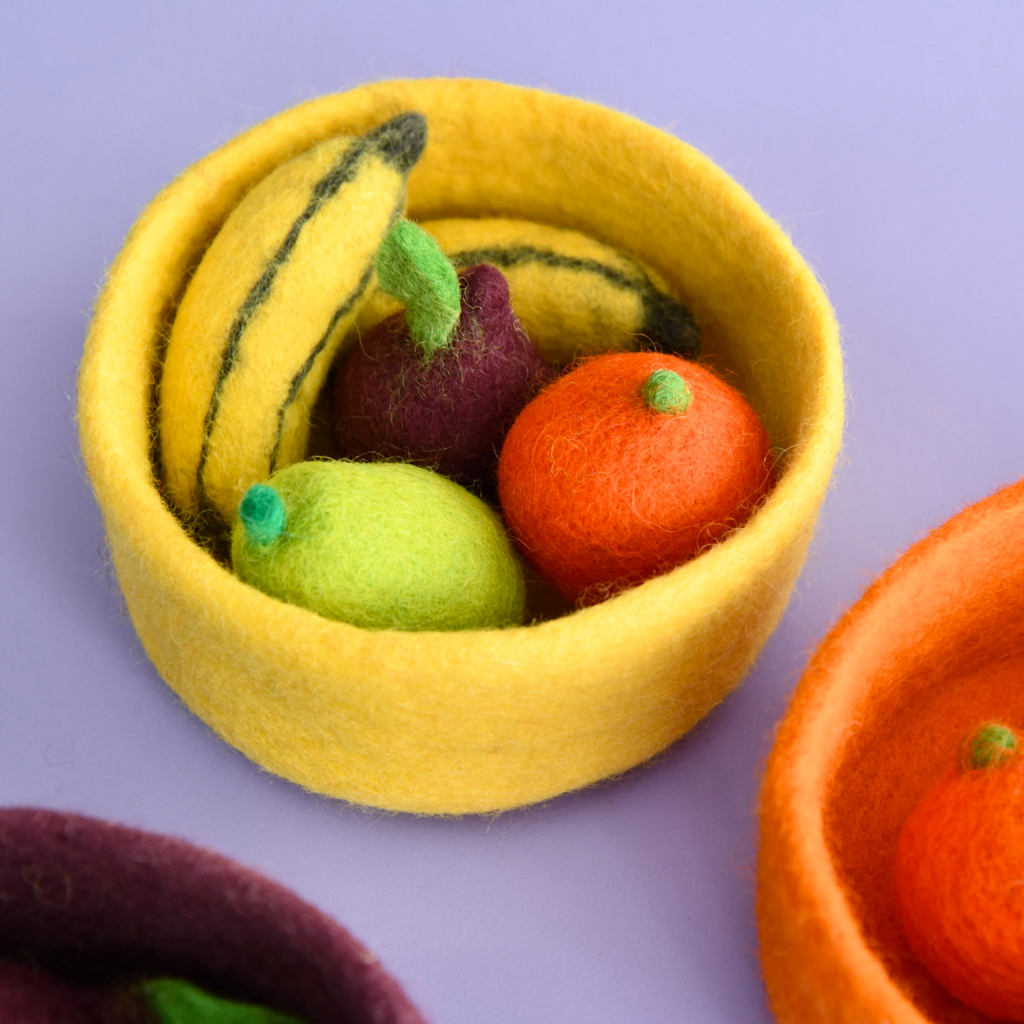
{"points": [[666, 392], [990, 746]]}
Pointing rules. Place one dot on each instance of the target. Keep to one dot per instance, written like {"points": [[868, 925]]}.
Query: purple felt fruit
{"points": [[448, 407]]}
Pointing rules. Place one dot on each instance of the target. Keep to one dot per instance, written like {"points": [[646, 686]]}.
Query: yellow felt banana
{"points": [[261, 319], [573, 294]]}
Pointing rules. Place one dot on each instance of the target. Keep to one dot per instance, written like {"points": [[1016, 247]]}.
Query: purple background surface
{"points": [[886, 138]]}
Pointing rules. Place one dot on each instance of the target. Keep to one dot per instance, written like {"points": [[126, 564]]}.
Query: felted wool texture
{"points": [[385, 546], [482, 720], [449, 411], [574, 295], [602, 492], [958, 868], [934, 649], [269, 303], [103, 905]]}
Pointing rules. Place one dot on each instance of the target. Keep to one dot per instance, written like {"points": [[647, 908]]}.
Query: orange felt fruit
{"points": [[626, 467], [959, 876]]}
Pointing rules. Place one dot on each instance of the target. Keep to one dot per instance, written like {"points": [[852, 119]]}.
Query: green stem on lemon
{"points": [[263, 514]]}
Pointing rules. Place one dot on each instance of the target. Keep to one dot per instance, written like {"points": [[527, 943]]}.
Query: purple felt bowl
{"points": [[85, 904]]}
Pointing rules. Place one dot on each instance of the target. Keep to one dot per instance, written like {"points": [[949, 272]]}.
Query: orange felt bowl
{"points": [[934, 648]]}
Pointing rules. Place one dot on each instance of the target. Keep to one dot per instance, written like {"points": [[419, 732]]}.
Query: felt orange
{"points": [[959, 876], [626, 467]]}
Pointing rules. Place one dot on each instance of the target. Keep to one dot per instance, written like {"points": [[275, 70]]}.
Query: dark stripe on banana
{"points": [[299, 378], [666, 323], [575, 296], [277, 290], [400, 141]]}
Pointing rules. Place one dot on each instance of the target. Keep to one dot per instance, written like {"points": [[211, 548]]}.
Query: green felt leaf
{"points": [[412, 267], [179, 1002]]}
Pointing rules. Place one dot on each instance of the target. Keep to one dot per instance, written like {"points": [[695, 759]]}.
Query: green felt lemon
{"points": [[381, 545]]}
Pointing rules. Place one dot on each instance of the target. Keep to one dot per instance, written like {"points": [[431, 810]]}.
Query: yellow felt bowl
{"points": [[475, 721]]}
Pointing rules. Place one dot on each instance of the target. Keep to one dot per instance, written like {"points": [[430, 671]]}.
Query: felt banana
{"points": [[573, 294], [260, 321]]}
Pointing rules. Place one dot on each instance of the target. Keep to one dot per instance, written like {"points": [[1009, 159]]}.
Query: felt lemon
{"points": [[382, 545], [266, 309], [626, 467], [441, 383], [959, 876]]}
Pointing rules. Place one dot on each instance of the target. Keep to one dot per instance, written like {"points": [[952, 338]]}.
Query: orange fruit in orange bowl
{"points": [[934, 648], [959, 875]]}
